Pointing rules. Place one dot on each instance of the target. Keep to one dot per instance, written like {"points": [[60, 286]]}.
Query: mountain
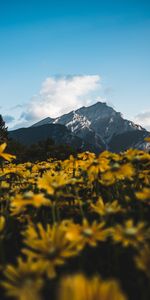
{"points": [[101, 126]]}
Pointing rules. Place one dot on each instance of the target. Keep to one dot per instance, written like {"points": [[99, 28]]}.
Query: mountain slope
{"points": [[59, 133], [129, 139]]}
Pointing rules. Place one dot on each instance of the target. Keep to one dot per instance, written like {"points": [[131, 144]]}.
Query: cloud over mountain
{"points": [[8, 118], [143, 118], [60, 94]]}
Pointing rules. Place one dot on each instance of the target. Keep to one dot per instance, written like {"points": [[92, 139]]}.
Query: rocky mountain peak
{"points": [[98, 124]]}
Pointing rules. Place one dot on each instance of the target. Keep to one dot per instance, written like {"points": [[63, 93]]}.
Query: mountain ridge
{"points": [[95, 128], [100, 123]]}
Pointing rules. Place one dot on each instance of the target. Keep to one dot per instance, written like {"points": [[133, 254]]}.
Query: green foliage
{"points": [[3, 131]]}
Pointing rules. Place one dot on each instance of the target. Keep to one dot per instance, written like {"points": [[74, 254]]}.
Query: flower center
{"points": [[109, 209], [52, 252], [87, 232], [131, 231]]}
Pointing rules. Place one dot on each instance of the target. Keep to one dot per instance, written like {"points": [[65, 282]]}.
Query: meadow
{"points": [[75, 229]]}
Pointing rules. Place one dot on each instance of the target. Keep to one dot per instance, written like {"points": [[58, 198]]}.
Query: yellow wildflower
{"points": [[78, 287], [23, 281], [86, 233], [129, 234], [106, 208], [147, 139], [143, 260], [20, 202], [4, 185], [49, 246], [4, 155], [87, 156], [2, 223], [93, 233], [52, 181], [143, 194], [117, 172], [97, 167]]}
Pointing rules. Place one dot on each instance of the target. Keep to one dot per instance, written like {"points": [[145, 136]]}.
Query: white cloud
{"points": [[143, 119], [59, 95], [8, 119]]}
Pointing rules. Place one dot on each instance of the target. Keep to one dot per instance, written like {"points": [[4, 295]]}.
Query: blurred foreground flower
{"points": [[5, 156], [48, 246], [147, 139], [78, 287], [143, 260], [2, 223], [143, 194], [23, 282]]}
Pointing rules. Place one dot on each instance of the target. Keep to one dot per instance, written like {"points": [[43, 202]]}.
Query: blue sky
{"points": [[54, 44]]}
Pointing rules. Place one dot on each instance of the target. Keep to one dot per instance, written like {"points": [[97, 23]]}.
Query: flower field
{"points": [[75, 229]]}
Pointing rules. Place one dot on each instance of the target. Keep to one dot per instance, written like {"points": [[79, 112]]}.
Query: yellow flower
{"points": [[147, 139], [4, 185], [93, 233], [143, 260], [2, 223], [117, 172], [23, 281], [5, 156], [135, 155], [71, 164], [86, 233], [87, 156], [45, 183], [52, 181], [49, 246], [130, 154], [129, 234], [143, 194], [78, 287], [72, 230], [97, 167], [126, 171], [106, 208], [20, 202]]}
